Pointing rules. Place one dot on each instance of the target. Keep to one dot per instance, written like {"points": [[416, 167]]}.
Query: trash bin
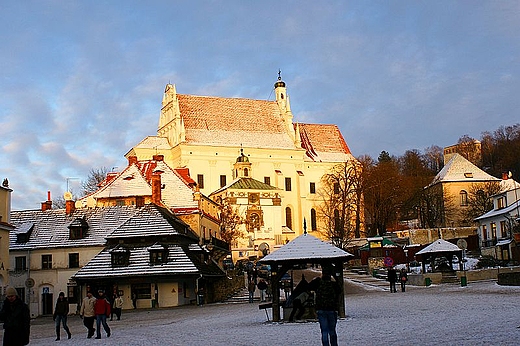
{"points": [[427, 281], [463, 281]]}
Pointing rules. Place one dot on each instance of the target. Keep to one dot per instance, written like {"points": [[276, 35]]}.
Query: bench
{"points": [[265, 307]]}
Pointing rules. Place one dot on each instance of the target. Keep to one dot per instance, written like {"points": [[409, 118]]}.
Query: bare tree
{"points": [[230, 223], [480, 199], [433, 158], [340, 210], [95, 177], [434, 207]]}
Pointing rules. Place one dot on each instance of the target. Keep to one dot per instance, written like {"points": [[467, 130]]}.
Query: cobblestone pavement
{"points": [[481, 313]]}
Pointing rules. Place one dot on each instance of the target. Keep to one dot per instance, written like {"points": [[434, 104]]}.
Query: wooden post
{"points": [[341, 282]]}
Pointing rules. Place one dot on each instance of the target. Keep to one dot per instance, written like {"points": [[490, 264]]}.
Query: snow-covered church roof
{"points": [[460, 169]]}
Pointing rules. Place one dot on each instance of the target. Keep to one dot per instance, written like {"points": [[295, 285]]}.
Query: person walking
{"points": [[118, 306], [327, 294], [251, 289], [61, 311], [102, 311], [403, 278], [17, 319], [392, 278], [86, 312]]}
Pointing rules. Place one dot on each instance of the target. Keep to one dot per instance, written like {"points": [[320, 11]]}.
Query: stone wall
{"points": [[227, 285], [427, 236]]}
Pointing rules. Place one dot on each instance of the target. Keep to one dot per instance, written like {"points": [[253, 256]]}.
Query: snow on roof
{"points": [[439, 245], [497, 212], [306, 247], [51, 226], [324, 142], [152, 220], [101, 266], [460, 169]]}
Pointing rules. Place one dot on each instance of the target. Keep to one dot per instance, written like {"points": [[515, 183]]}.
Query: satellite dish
{"points": [[67, 196]]}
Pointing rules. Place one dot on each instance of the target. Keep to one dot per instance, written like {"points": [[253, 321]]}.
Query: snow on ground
{"points": [[481, 313]]}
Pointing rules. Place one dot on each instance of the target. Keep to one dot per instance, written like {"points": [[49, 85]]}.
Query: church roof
{"points": [[324, 142], [306, 247], [458, 169], [233, 122]]}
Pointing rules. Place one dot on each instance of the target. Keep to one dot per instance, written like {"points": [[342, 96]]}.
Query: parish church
{"points": [[206, 134]]}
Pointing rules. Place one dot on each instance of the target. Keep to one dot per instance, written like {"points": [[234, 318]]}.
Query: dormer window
{"points": [[23, 232], [500, 203], [158, 254], [120, 257], [468, 175], [78, 229]]}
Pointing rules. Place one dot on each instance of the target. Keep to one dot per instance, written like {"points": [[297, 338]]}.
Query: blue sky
{"points": [[81, 82]]}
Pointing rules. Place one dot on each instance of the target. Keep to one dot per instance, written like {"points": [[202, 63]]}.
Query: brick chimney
{"points": [[505, 176], [70, 207], [132, 160], [47, 205], [156, 189], [158, 157]]}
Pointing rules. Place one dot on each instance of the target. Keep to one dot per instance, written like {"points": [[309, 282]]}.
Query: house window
{"points": [[158, 257], [46, 261], [200, 181], [73, 260], [463, 198], [288, 217], [78, 229], [312, 187], [503, 229], [222, 180], [139, 201], [493, 230], [313, 220], [484, 233], [142, 291], [20, 263], [120, 257], [267, 180], [500, 203], [287, 184]]}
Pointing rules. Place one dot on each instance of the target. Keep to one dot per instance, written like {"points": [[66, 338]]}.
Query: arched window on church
{"points": [[463, 198], [313, 220], [246, 172], [288, 217]]}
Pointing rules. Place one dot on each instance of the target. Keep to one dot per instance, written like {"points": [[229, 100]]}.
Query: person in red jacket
{"points": [[102, 311]]}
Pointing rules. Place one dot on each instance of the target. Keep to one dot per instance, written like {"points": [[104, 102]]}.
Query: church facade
{"points": [[206, 134]]}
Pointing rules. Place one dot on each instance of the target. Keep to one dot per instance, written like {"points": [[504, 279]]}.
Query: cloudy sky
{"points": [[81, 82]]}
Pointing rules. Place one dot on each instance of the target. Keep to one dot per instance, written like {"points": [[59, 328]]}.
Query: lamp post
{"points": [[407, 261]]}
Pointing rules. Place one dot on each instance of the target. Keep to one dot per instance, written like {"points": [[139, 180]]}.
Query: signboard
{"points": [[461, 243], [29, 283], [388, 261]]}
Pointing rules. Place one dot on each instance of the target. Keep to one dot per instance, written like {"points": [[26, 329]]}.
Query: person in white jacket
{"points": [[86, 312]]}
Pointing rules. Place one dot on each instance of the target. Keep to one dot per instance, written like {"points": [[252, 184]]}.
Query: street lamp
{"points": [[407, 261]]}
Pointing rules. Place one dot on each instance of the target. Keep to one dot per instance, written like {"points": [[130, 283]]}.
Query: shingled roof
{"points": [[459, 169], [50, 228]]}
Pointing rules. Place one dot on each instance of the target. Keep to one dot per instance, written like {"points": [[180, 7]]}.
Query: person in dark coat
{"points": [[327, 306], [61, 311], [17, 319], [403, 278], [102, 311], [392, 278], [251, 287]]}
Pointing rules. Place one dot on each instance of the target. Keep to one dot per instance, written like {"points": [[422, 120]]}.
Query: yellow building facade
{"points": [[206, 134]]}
